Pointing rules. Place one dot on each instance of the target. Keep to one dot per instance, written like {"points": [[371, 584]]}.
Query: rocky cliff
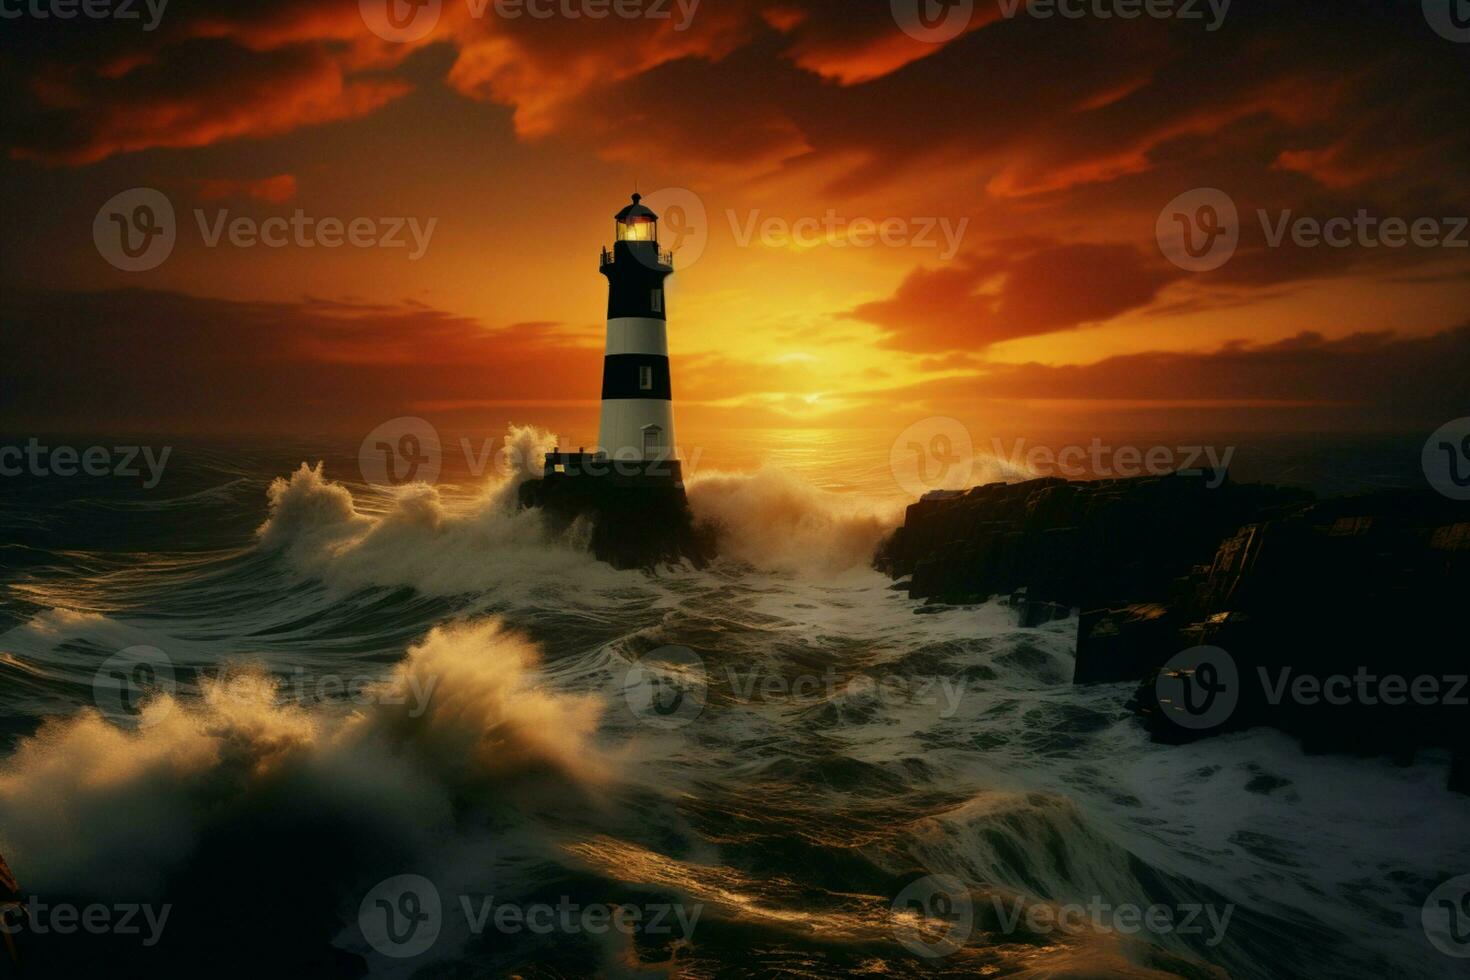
{"points": [[1085, 544], [1323, 608]]}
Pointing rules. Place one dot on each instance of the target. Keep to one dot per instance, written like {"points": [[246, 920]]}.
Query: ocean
{"points": [[273, 708]]}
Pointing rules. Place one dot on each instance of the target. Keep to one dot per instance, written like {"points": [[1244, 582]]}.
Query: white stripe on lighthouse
{"points": [[637, 335], [624, 420]]}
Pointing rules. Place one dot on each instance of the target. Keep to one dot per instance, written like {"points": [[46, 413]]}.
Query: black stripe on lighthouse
{"points": [[636, 376], [638, 294]]}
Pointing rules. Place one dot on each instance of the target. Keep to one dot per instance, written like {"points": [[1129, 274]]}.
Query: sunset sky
{"points": [[1054, 143]]}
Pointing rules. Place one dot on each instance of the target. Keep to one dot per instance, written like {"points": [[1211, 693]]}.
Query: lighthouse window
{"points": [[658, 301], [653, 440], [645, 378]]}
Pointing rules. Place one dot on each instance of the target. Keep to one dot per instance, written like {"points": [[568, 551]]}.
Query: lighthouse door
{"points": [[653, 441]]}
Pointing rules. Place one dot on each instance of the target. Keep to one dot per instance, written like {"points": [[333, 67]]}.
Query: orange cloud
{"points": [[1032, 289], [193, 95]]}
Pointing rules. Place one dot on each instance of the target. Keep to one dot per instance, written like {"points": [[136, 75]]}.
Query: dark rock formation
{"points": [[1125, 644], [1332, 595], [1328, 600], [639, 516], [1084, 544]]}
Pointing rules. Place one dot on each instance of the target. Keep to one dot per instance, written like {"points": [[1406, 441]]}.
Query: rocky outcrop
{"points": [[1085, 544], [1315, 602], [1327, 612]]}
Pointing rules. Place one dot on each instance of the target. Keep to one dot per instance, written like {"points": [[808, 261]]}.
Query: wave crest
{"points": [[775, 521], [461, 722]]}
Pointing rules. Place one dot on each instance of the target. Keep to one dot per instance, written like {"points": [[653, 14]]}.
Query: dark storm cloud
{"points": [[1382, 379], [141, 358], [1019, 291]]}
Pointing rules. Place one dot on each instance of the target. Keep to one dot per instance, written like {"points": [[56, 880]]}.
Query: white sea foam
{"points": [[774, 521], [87, 807], [770, 519]]}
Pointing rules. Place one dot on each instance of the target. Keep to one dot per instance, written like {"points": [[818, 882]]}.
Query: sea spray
{"points": [[774, 521], [382, 768]]}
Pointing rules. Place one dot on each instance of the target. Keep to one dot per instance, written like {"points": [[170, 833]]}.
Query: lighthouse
{"points": [[637, 423], [631, 487]]}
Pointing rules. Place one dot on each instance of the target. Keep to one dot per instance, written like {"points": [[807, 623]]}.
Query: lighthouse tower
{"points": [[631, 488], [637, 400]]}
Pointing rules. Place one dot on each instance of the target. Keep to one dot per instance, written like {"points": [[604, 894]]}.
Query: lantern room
{"points": [[636, 223]]}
